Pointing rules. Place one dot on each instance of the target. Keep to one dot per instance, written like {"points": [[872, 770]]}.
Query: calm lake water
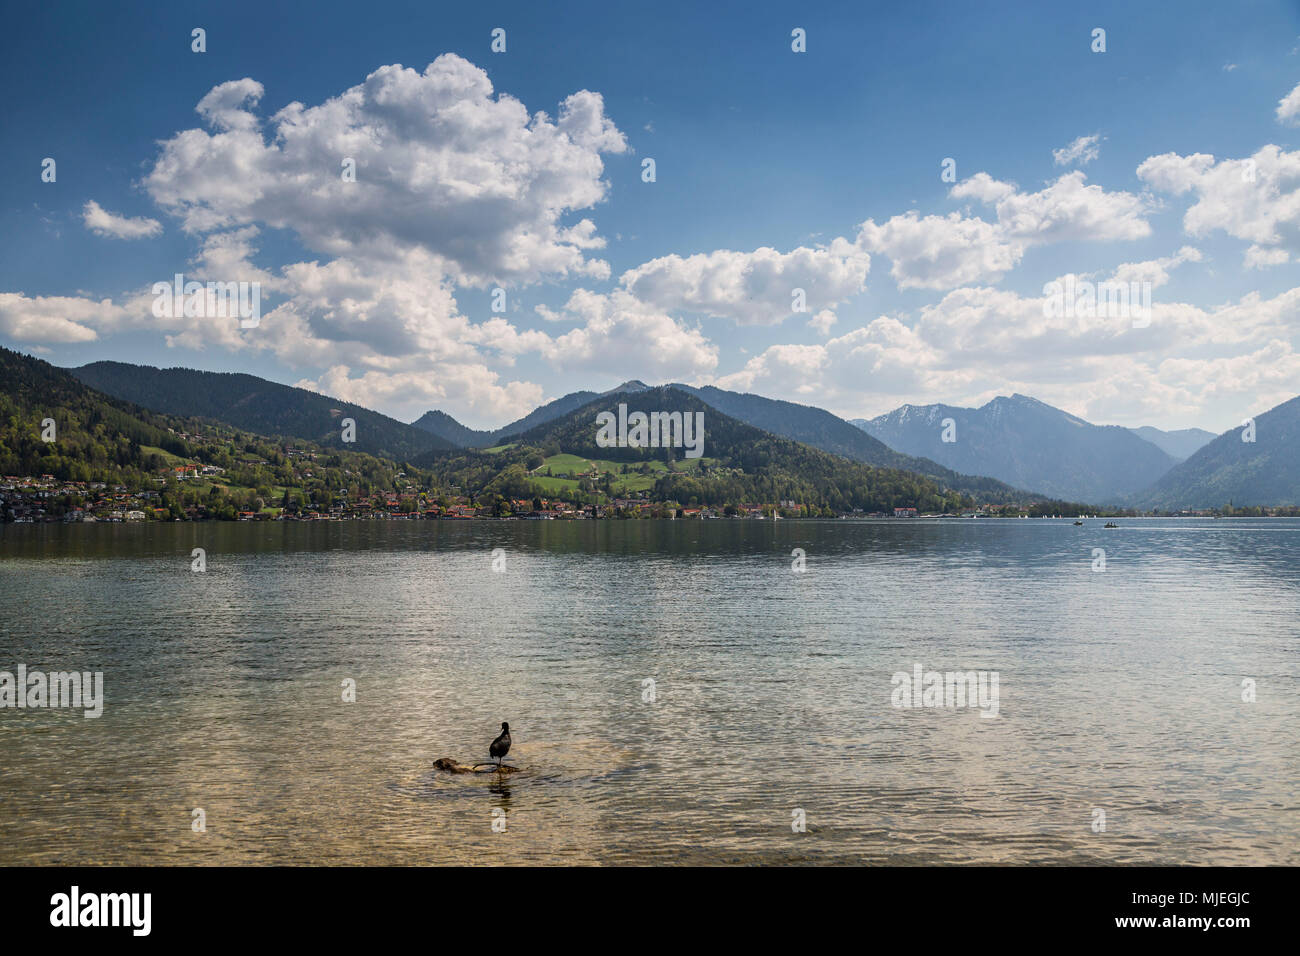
{"points": [[1119, 691]]}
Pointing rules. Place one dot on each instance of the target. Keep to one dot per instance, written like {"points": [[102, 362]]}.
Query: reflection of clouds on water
{"points": [[772, 691]]}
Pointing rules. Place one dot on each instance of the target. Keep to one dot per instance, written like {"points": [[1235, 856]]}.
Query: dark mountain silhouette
{"points": [[457, 435], [447, 428], [258, 405], [443, 425]]}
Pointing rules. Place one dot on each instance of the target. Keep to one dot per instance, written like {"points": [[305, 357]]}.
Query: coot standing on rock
{"points": [[501, 746]]}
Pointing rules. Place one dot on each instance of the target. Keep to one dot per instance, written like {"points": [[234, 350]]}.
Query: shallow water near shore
{"points": [[1120, 692]]}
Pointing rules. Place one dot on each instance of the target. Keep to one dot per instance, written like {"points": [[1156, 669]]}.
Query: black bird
{"points": [[501, 746]]}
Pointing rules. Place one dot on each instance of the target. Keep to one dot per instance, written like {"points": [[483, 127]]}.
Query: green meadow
{"points": [[634, 480]]}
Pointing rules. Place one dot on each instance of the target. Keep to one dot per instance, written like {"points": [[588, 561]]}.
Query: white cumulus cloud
{"points": [[943, 252], [1256, 199], [1288, 107], [112, 226], [752, 288], [442, 164]]}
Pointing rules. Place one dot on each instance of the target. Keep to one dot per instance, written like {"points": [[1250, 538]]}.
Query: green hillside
{"points": [[101, 439], [96, 438], [256, 405], [1265, 472]]}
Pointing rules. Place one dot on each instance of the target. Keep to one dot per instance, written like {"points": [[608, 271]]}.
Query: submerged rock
{"points": [[451, 766]]}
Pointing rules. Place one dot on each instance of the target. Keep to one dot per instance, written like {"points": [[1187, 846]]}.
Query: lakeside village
{"points": [[44, 499], [239, 478]]}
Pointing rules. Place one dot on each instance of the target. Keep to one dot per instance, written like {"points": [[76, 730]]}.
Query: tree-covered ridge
{"points": [[256, 405], [192, 466], [444, 426], [1263, 470], [95, 437]]}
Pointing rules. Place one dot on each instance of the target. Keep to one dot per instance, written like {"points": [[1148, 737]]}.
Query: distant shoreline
{"points": [[889, 519]]}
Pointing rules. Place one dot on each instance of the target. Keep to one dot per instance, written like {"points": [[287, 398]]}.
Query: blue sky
{"points": [[768, 164]]}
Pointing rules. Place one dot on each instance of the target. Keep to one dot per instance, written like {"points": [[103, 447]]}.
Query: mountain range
{"points": [[1027, 443], [739, 463], [802, 423], [1011, 449]]}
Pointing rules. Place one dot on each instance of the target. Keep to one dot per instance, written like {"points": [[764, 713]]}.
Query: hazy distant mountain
{"points": [[257, 405], [819, 428], [1263, 472], [1179, 444], [1029, 444]]}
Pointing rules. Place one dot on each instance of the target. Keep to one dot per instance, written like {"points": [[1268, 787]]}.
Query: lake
{"points": [[770, 733]]}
